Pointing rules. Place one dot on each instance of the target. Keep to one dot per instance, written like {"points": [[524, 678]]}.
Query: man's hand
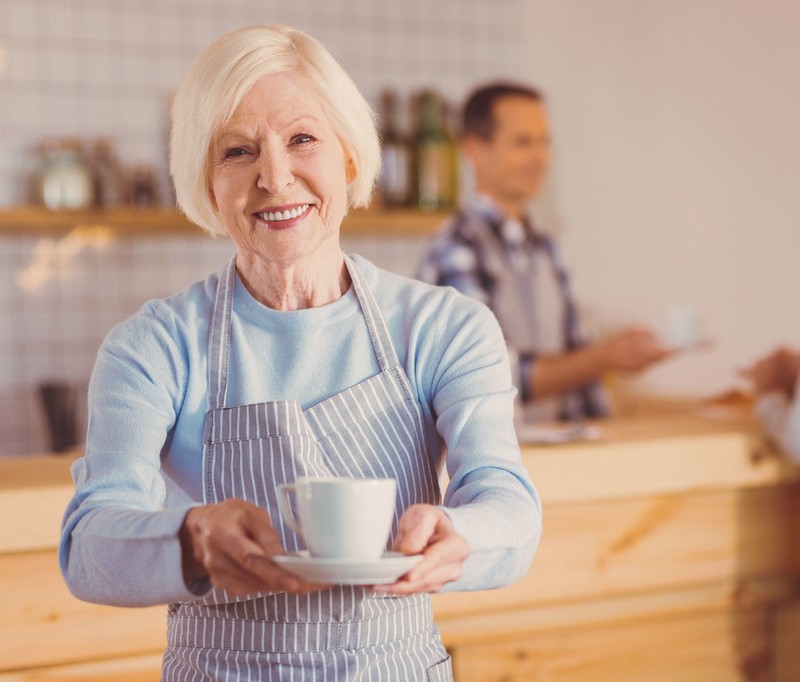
{"points": [[629, 350], [633, 349]]}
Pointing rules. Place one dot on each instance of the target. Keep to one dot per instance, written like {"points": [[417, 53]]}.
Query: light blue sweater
{"points": [[148, 400]]}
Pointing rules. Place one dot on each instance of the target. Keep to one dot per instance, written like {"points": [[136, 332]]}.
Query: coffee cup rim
{"points": [[342, 479]]}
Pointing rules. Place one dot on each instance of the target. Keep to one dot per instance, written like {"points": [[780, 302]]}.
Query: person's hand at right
{"points": [[633, 349], [231, 543], [777, 371]]}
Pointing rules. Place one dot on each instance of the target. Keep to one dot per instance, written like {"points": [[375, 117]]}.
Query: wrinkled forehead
{"points": [[274, 100]]}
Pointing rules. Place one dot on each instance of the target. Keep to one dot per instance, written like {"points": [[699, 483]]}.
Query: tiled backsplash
{"points": [[106, 68], [65, 295], [92, 68]]}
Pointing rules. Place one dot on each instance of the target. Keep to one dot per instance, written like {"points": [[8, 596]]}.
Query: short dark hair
{"points": [[477, 116]]}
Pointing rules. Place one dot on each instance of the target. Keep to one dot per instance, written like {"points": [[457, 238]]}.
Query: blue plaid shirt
{"points": [[455, 259]]}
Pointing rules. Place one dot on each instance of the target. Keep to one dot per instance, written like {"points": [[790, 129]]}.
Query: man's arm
{"points": [[630, 350], [453, 262]]}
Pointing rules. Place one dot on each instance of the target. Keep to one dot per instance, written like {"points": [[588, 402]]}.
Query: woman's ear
{"points": [[351, 173]]}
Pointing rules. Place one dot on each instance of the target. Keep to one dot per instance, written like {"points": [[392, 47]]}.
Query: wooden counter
{"points": [[669, 553]]}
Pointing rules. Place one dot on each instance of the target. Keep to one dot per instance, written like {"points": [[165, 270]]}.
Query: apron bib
{"points": [[370, 430], [529, 305]]}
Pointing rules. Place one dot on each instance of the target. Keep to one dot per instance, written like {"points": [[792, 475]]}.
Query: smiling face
{"points": [[278, 173]]}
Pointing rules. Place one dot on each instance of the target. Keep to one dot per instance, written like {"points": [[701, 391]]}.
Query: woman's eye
{"points": [[302, 138], [235, 152]]}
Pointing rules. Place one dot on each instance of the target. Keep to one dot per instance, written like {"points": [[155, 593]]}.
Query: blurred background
{"points": [[676, 132]]}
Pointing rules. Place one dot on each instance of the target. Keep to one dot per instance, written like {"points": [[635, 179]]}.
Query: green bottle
{"points": [[435, 157], [394, 184]]}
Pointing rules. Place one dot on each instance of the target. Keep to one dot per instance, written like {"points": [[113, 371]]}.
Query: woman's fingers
{"points": [[233, 542], [427, 530], [430, 575], [417, 526], [260, 575]]}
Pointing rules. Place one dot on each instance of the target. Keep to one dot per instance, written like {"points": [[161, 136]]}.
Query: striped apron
{"points": [[370, 430]]}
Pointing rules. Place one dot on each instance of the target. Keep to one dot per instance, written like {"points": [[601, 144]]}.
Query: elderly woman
{"points": [[294, 359]]}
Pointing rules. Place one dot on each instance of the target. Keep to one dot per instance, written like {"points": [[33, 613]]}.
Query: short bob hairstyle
{"points": [[221, 76]]}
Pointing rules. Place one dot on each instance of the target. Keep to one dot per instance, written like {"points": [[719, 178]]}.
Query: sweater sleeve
{"points": [[490, 497], [119, 545]]}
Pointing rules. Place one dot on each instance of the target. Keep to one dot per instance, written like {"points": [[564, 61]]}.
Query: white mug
{"points": [[341, 518], [681, 327]]}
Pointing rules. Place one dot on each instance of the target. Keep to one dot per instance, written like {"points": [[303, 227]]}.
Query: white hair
{"points": [[221, 76]]}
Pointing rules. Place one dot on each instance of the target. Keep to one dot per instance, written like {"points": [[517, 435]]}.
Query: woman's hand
{"points": [[426, 530], [231, 543]]}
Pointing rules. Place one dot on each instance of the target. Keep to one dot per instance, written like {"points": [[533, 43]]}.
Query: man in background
{"points": [[492, 250]]}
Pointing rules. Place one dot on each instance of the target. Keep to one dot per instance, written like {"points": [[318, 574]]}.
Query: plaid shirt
{"points": [[456, 260]]}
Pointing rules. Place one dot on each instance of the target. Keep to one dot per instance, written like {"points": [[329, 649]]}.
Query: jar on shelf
{"points": [[65, 178]]}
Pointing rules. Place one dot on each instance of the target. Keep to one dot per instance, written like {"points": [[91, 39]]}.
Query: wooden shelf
{"points": [[31, 220]]}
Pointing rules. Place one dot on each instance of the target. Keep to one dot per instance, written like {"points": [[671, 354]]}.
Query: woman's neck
{"points": [[313, 281]]}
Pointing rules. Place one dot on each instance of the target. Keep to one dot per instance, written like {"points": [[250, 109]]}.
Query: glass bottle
{"points": [[109, 180], [435, 172], [395, 181], [143, 190]]}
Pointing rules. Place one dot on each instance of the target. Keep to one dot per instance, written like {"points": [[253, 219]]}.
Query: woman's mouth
{"points": [[286, 218]]}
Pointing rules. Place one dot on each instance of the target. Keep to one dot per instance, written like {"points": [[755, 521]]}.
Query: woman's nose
{"points": [[275, 173]]}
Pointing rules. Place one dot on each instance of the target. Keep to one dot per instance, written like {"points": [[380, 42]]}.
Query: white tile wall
{"points": [[107, 67], [94, 68]]}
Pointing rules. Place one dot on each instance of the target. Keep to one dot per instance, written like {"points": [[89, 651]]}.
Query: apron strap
{"points": [[219, 338], [378, 331]]}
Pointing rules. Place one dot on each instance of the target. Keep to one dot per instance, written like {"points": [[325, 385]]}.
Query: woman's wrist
{"points": [[193, 570]]}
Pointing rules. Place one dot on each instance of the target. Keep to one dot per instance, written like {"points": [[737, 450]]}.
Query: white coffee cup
{"points": [[341, 518], [681, 327]]}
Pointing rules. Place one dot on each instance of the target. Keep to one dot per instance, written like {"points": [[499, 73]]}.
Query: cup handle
{"points": [[285, 506]]}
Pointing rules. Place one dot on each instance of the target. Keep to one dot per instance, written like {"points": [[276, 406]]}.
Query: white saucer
{"points": [[553, 434], [387, 569], [698, 345]]}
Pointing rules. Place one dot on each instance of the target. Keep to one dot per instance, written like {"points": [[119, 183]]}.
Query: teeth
{"points": [[277, 216]]}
